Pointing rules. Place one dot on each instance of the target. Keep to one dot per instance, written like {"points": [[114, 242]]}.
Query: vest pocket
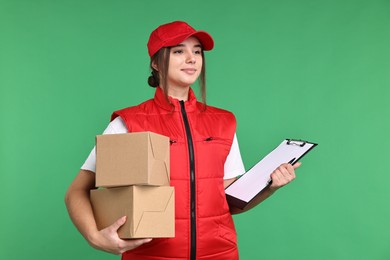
{"points": [[215, 144], [227, 234], [216, 140]]}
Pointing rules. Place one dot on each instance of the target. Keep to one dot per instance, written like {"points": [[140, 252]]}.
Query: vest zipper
{"points": [[192, 180]]}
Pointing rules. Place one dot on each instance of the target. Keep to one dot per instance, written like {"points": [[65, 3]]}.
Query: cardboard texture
{"points": [[132, 159], [149, 210]]}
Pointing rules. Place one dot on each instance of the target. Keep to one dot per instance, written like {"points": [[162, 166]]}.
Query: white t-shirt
{"points": [[233, 165]]}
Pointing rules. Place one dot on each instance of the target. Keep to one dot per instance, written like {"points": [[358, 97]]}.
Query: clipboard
{"points": [[254, 181]]}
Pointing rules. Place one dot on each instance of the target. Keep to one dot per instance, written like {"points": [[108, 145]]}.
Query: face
{"points": [[185, 64]]}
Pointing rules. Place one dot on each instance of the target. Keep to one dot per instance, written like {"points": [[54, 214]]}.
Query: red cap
{"points": [[171, 34]]}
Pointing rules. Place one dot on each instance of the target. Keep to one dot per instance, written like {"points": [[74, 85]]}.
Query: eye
{"points": [[178, 51], [198, 51]]}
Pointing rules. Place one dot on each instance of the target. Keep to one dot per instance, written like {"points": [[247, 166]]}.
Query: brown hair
{"points": [[159, 78]]}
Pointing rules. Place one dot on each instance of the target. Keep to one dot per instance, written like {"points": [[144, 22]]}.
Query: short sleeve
{"points": [[234, 166], [116, 126]]}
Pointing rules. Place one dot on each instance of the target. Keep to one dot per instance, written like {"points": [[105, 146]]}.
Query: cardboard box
{"points": [[132, 159], [149, 210]]}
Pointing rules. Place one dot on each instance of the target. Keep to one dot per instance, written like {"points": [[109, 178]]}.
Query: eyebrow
{"points": [[183, 45]]}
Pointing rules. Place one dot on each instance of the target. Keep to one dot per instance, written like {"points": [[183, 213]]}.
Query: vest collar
{"points": [[161, 101]]}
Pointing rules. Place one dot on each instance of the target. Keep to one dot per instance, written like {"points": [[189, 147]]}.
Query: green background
{"points": [[316, 70]]}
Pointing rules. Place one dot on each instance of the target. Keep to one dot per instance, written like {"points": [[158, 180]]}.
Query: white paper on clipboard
{"points": [[244, 189]]}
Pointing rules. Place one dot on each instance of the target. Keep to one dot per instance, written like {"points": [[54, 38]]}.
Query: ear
{"points": [[154, 65]]}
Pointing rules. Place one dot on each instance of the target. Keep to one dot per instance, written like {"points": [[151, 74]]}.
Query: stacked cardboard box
{"points": [[132, 173]]}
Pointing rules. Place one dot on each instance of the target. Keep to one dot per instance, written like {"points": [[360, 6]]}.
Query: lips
{"points": [[190, 71]]}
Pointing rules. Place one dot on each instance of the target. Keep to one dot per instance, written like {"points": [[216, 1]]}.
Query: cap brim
{"points": [[205, 39]]}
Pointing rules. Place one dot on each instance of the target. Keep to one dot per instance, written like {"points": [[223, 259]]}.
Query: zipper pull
{"points": [[208, 139], [172, 141]]}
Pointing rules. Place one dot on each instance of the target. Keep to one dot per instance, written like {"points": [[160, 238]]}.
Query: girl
{"points": [[205, 157]]}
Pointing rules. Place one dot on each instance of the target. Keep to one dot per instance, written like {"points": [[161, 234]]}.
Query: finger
{"points": [[291, 172], [276, 177], [131, 244], [296, 165], [138, 242], [117, 224], [285, 174], [286, 170], [277, 180]]}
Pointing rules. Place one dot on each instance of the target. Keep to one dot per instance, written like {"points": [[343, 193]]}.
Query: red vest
{"points": [[200, 142]]}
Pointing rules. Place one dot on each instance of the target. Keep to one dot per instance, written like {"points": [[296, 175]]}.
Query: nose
{"points": [[191, 58]]}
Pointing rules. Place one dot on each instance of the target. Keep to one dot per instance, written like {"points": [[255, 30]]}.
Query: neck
{"points": [[180, 93]]}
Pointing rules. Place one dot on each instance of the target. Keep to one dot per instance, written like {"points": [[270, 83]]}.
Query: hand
{"points": [[283, 175], [108, 240]]}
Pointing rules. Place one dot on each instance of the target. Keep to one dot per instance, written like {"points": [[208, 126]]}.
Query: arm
{"points": [[280, 177], [80, 211]]}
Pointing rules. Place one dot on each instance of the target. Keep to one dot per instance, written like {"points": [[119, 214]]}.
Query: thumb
{"points": [[296, 165], [117, 224]]}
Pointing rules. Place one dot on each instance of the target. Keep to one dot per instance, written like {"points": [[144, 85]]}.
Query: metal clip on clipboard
{"points": [[300, 143]]}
